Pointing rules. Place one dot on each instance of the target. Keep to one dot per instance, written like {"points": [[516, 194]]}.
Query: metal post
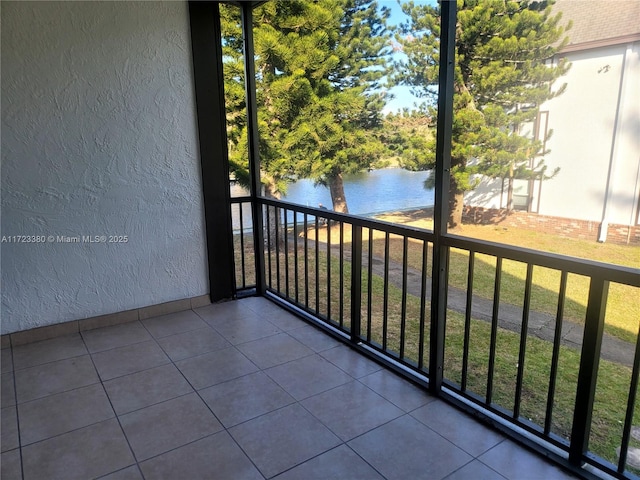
{"points": [[356, 282], [254, 142], [206, 48], [631, 403], [441, 208], [588, 373]]}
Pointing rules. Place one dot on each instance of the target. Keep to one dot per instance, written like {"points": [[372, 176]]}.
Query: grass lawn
{"points": [[622, 317], [623, 307], [614, 379]]}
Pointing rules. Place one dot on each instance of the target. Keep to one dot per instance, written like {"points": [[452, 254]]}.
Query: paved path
{"points": [[541, 325]]}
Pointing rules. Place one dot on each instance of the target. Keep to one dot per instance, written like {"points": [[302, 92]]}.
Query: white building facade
{"points": [[595, 125]]}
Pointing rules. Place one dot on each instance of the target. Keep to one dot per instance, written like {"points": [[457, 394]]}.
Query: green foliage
{"points": [[502, 76], [409, 137], [318, 65], [234, 91]]}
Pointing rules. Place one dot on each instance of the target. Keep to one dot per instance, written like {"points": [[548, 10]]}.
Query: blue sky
{"points": [[403, 97]]}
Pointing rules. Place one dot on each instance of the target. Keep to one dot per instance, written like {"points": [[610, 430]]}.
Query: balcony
{"points": [[357, 355], [237, 390], [523, 364]]}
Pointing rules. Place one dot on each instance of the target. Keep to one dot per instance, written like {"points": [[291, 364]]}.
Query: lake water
{"points": [[368, 193]]}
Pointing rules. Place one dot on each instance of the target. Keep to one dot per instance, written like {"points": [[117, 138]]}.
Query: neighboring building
{"points": [[595, 123]]}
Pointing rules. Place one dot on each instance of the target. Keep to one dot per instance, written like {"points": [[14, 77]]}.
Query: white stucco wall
{"points": [[625, 180], [98, 138], [583, 120], [489, 191]]}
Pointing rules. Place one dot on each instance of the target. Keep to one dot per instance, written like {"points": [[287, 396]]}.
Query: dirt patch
{"points": [[421, 218]]}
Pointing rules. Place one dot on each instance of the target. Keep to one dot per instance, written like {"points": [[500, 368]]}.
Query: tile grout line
{"points": [[15, 395], [52, 361], [296, 401], [197, 392], [364, 460], [113, 348], [117, 416], [299, 402], [121, 470], [114, 412], [224, 428], [405, 413]]}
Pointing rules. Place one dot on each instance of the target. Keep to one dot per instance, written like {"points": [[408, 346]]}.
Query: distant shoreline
{"points": [[425, 211]]}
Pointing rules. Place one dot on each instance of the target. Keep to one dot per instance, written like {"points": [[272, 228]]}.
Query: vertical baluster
{"points": [[494, 329], [341, 274], [277, 242], [242, 260], [356, 281], [403, 316], [306, 262], [557, 339], [523, 340], [328, 269], [269, 245], [295, 257], [467, 320], [385, 305], [317, 254], [631, 403], [286, 253], [588, 373], [423, 302], [369, 279]]}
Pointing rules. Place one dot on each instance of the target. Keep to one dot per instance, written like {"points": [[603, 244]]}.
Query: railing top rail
{"points": [[356, 220], [615, 273], [241, 199]]}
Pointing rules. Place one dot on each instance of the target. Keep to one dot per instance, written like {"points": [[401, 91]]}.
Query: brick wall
{"points": [[565, 227]]}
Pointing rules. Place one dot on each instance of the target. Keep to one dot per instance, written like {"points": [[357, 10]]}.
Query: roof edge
{"points": [[605, 42]]}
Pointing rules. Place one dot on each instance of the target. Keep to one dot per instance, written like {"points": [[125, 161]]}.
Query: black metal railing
{"points": [[523, 355], [585, 349], [244, 245]]}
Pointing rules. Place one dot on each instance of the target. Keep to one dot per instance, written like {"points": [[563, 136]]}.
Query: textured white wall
{"points": [[582, 119], [625, 181], [98, 138]]}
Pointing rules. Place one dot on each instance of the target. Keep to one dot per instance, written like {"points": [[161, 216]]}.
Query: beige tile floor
{"points": [[240, 390]]}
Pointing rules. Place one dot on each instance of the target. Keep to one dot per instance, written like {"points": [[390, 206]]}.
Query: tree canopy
{"points": [[503, 74], [318, 71]]}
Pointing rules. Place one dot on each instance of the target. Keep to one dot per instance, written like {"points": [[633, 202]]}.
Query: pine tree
{"points": [[407, 136], [318, 65], [234, 91], [339, 132], [502, 76]]}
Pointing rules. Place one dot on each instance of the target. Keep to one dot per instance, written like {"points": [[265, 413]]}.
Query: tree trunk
{"points": [[510, 189], [336, 187], [516, 131], [275, 224], [456, 199]]}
